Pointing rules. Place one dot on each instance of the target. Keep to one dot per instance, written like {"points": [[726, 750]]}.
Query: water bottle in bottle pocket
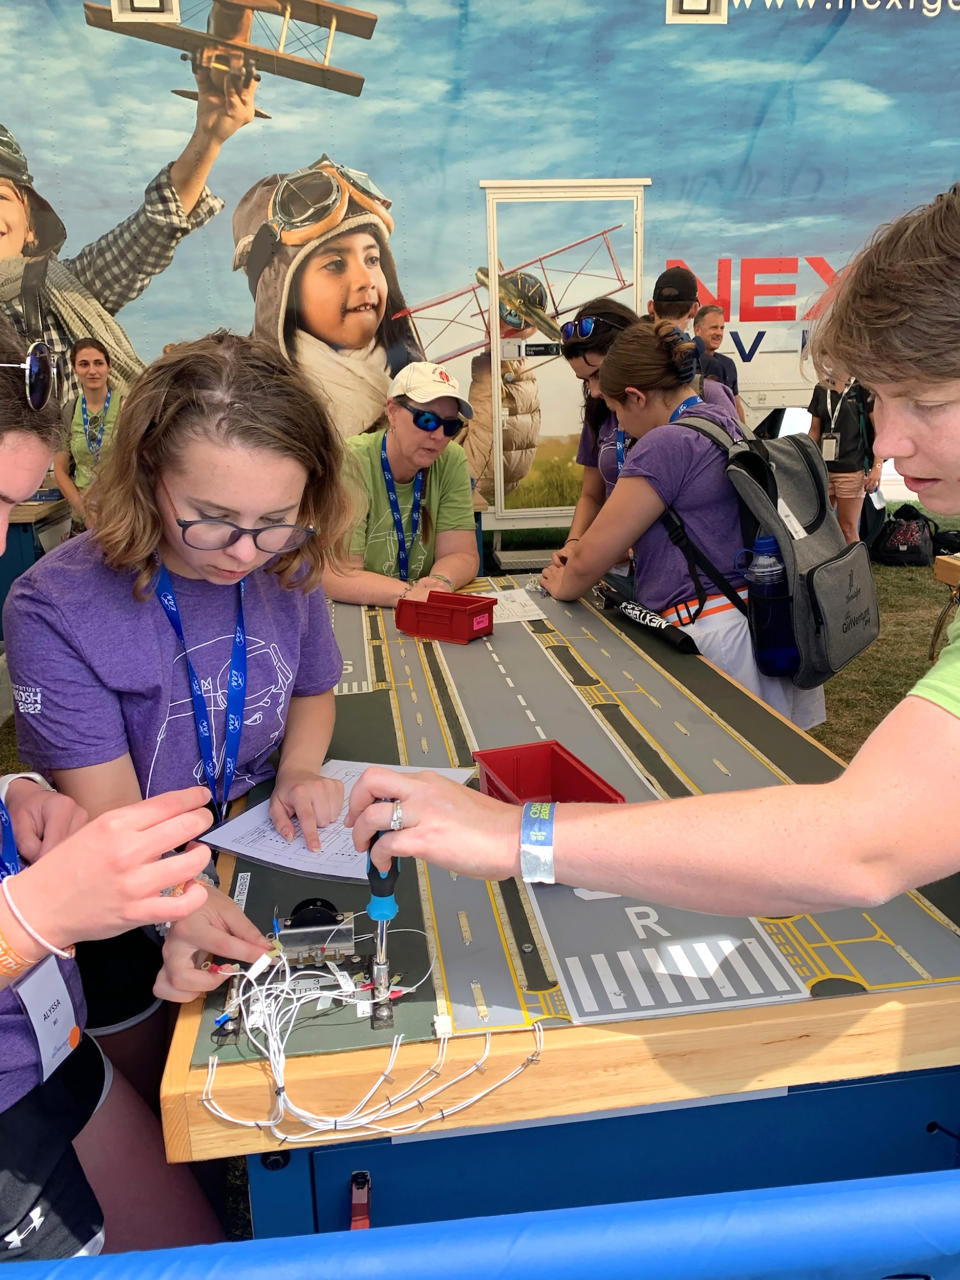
{"points": [[769, 608]]}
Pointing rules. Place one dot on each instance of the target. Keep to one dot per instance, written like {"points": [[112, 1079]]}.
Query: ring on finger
{"points": [[396, 821]]}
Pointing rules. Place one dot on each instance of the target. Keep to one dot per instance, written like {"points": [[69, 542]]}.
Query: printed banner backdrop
{"points": [[774, 144]]}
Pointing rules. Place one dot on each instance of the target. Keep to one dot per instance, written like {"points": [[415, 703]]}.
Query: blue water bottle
{"points": [[768, 609]]}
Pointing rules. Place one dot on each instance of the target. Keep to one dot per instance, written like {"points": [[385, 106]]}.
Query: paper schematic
{"points": [[252, 835]]}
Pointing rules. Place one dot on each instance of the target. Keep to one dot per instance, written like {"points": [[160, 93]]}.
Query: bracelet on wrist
{"points": [[65, 953], [12, 963], [536, 842], [441, 577]]}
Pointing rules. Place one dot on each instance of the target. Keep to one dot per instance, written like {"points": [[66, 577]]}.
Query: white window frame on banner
{"points": [[518, 192]]}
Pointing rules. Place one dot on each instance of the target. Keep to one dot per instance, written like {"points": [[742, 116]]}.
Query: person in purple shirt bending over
{"points": [[648, 380], [186, 639], [81, 1156]]}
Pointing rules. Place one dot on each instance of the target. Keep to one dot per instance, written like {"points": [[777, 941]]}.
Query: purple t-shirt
{"points": [[687, 472], [19, 1059], [602, 451], [96, 673]]}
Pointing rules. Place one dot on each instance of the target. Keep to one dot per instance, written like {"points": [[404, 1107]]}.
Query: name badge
{"points": [[829, 444], [46, 1001]]}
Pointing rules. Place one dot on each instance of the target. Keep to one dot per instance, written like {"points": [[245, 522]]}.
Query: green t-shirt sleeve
{"points": [[456, 500], [353, 474], [941, 684]]}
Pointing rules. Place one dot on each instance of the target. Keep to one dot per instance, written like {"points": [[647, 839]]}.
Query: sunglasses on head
{"points": [[585, 326], [38, 374], [428, 421]]}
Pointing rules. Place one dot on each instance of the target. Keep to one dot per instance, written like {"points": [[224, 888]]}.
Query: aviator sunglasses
{"points": [[428, 421], [38, 374], [585, 326]]}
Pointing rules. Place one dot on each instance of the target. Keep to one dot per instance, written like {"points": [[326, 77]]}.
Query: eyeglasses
{"points": [[585, 326], [215, 535], [38, 374], [428, 421]]}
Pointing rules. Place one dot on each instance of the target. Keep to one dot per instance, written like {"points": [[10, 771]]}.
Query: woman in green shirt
{"points": [[414, 530], [88, 420]]}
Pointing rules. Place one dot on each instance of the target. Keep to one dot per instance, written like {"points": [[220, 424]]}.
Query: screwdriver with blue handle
{"points": [[381, 909]]}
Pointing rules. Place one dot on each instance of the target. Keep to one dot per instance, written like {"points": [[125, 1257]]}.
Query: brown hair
{"points": [[894, 313], [649, 357], [82, 344], [15, 413], [238, 391]]}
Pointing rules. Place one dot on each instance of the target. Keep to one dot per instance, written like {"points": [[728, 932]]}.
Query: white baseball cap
{"points": [[422, 382]]}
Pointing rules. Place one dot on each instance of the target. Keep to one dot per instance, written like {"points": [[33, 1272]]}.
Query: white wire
{"points": [[269, 1010]]}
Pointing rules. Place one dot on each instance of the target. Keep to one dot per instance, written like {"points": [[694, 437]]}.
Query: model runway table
{"points": [[671, 1010]]}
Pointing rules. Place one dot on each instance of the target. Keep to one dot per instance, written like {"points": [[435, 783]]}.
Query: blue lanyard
{"points": [[236, 694], [684, 404], [94, 445], [403, 563], [9, 858], [621, 451]]}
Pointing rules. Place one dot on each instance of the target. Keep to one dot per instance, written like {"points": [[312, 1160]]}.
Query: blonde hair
{"points": [[239, 391], [893, 315]]}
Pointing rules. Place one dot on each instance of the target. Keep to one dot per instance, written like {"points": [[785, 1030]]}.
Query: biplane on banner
{"points": [[771, 145]]}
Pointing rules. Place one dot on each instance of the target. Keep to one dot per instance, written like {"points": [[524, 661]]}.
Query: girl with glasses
{"points": [[315, 248], [89, 421], [82, 1153], [585, 340], [187, 638], [649, 381], [414, 529]]}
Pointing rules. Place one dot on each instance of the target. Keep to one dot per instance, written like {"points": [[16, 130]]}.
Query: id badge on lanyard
{"points": [[830, 445], [42, 992]]}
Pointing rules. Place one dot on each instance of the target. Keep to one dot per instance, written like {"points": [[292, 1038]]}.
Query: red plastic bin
{"points": [[446, 615], [541, 771]]}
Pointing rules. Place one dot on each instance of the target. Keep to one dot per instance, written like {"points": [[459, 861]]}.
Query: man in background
{"points": [[708, 327]]}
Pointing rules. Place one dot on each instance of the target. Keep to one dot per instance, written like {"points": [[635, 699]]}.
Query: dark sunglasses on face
{"points": [[38, 374], [428, 421], [585, 326]]}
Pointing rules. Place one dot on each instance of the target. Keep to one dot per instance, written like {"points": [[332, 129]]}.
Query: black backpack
{"points": [[905, 538], [782, 487]]}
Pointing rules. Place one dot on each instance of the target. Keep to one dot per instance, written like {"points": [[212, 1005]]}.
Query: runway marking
{"points": [[659, 971], [683, 729], [714, 972], [494, 656], [509, 683], [407, 671], [609, 983], [721, 766], [530, 716], [420, 719], [540, 733], [403, 652], [686, 971], [424, 745], [521, 699], [629, 676], [718, 720], [464, 928], [646, 694], [731, 954], [413, 695], [635, 978], [766, 964], [502, 670], [480, 1001], [587, 999]]}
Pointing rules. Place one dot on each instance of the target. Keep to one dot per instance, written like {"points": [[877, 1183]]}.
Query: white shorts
{"points": [[724, 638]]}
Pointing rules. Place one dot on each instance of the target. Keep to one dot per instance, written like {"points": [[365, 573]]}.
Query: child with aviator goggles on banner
{"points": [[314, 248], [210, 646], [415, 532]]}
